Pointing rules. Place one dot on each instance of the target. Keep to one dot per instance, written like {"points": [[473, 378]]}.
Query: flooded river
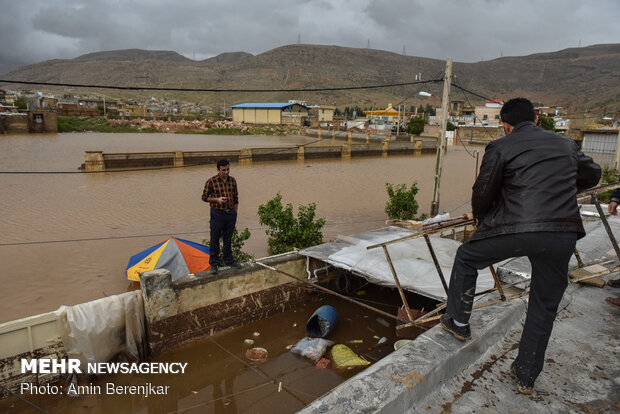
{"points": [[67, 238]]}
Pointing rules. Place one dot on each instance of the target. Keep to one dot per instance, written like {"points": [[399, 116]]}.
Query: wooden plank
{"points": [[585, 271]]}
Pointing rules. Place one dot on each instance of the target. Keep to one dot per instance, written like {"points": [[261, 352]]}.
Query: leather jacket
{"points": [[528, 182]]}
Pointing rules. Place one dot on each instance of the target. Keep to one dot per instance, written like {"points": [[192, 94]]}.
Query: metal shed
{"points": [[270, 113]]}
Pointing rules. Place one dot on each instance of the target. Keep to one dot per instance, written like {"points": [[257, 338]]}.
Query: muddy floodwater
{"points": [[67, 238], [219, 378]]}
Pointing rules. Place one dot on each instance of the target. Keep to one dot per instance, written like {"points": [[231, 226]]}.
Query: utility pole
{"points": [[442, 135], [418, 77], [617, 163]]}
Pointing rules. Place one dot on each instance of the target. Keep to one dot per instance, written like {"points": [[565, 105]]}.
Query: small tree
{"points": [[429, 110], [416, 125], [450, 126], [401, 204], [287, 232], [21, 104], [546, 122], [238, 240], [608, 176]]}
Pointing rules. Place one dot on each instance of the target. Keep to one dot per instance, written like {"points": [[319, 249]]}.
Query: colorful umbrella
{"points": [[180, 257]]}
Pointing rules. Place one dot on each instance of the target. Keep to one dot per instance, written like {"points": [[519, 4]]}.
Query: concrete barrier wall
{"points": [[200, 306], [14, 123], [180, 158], [33, 337]]}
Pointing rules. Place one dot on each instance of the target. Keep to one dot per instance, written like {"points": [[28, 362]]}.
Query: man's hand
{"points": [[612, 207], [221, 200]]}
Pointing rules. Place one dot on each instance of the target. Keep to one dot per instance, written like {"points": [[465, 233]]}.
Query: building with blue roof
{"points": [[290, 113]]}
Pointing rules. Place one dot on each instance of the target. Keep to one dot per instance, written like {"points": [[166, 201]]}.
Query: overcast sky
{"points": [[466, 30]]}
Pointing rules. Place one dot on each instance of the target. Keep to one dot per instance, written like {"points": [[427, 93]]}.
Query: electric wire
{"points": [[221, 398], [457, 85], [23, 399], [138, 236], [210, 162], [152, 88]]}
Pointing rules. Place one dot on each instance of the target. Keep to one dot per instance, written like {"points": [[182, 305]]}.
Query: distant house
{"points": [[600, 140], [387, 114], [270, 113], [326, 113], [489, 113]]}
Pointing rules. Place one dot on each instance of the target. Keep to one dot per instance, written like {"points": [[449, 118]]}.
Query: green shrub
{"points": [[94, 124], [21, 104], [401, 204], [287, 232], [608, 176], [416, 125]]}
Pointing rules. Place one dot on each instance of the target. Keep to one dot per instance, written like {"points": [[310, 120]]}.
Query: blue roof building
{"points": [[270, 113]]}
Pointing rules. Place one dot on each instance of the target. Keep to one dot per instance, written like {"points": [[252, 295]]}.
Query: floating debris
{"points": [[256, 354], [383, 322], [323, 363], [249, 341]]}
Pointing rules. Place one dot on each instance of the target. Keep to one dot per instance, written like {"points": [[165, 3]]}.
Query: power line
{"points": [[457, 85], [152, 88], [339, 133], [139, 236], [153, 168]]}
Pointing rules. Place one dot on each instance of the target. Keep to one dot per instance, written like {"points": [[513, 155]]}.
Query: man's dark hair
{"points": [[222, 163], [517, 110]]}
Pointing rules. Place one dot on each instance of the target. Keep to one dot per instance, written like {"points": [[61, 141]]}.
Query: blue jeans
{"points": [[549, 253], [222, 225]]}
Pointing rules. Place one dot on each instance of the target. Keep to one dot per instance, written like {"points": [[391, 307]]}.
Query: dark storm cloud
{"points": [[466, 30]]}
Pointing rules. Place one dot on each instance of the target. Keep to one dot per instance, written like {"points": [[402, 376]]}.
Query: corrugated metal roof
{"points": [[264, 105]]}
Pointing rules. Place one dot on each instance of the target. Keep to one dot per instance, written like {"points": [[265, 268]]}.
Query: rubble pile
{"points": [[173, 126], [203, 125]]}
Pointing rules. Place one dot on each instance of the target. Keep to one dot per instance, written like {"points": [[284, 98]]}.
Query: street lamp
{"points": [[421, 93]]}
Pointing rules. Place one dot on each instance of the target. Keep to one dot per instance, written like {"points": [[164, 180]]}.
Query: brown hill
{"points": [[577, 78]]}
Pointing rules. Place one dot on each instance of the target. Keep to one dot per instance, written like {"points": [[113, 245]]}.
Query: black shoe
{"points": [[234, 265], [614, 283], [462, 333], [213, 270], [521, 388]]}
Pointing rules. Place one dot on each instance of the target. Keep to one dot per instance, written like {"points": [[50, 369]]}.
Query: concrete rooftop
{"points": [[436, 373], [581, 373]]}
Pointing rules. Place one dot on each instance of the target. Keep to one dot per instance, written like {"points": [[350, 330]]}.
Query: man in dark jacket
{"points": [[524, 205]]}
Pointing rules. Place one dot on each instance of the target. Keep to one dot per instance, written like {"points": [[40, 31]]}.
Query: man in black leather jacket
{"points": [[524, 204]]}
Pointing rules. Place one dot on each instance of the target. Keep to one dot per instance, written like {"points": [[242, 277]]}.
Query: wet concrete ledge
{"points": [[402, 380], [192, 307], [100, 161]]}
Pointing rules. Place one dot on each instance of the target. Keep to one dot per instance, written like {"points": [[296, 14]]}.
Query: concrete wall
{"points": [[326, 113], [480, 134], [65, 109], [42, 122], [491, 114], [14, 123], [99, 161], [195, 307], [33, 337]]}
